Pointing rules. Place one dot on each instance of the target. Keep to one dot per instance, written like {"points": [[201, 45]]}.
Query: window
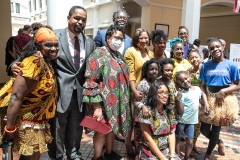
{"points": [[30, 6], [40, 3], [35, 5], [17, 8], [12, 10]]}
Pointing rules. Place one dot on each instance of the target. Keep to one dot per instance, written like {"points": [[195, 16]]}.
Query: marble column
{"points": [[191, 17], [95, 21]]}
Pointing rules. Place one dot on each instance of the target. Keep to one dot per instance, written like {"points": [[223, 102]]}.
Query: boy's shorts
{"points": [[187, 129]]}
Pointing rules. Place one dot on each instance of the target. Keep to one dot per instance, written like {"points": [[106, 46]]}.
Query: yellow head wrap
{"points": [[45, 34]]}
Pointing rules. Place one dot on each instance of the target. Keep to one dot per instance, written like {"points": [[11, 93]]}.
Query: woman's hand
{"points": [[138, 95], [220, 97], [206, 108], [15, 68], [97, 113], [145, 111]]}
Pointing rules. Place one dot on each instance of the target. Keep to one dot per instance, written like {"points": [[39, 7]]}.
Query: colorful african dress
{"points": [[107, 82], [38, 106], [160, 127]]}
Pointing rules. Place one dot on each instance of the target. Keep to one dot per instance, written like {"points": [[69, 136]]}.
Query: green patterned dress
{"points": [[107, 82]]}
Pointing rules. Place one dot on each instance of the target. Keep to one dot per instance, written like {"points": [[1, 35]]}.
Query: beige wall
{"points": [[162, 15], [225, 27], [6, 32]]}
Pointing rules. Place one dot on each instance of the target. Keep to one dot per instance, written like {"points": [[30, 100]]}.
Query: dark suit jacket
{"points": [[67, 76], [100, 40]]}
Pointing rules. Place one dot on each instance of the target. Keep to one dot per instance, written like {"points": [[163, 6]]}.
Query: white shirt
{"points": [[71, 41]]}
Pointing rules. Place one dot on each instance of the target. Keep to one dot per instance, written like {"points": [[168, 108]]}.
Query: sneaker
{"points": [[113, 156]]}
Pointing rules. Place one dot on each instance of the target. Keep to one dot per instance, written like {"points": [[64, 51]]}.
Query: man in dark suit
{"points": [[65, 127], [119, 18]]}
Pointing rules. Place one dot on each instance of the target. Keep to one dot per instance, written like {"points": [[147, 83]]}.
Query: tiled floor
{"points": [[229, 135]]}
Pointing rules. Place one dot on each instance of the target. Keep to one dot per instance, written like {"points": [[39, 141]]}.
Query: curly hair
{"points": [[29, 50], [194, 51], [157, 35], [163, 62], [113, 29], [153, 96], [146, 66], [210, 40], [136, 35]]}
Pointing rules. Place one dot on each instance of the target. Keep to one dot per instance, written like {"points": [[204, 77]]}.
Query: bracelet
{"points": [[6, 130], [173, 155]]}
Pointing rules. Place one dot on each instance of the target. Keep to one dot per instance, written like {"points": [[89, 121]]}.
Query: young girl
{"points": [[187, 103], [177, 51], [159, 138], [219, 78], [149, 74], [196, 62], [166, 70]]}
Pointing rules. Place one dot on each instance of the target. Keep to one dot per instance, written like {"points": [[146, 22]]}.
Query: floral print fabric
{"points": [[107, 82]]}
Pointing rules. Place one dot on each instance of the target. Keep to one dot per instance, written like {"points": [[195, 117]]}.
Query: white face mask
{"points": [[115, 44]]}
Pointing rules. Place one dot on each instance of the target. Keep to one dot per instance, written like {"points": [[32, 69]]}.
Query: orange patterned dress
{"points": [[37, 107]]}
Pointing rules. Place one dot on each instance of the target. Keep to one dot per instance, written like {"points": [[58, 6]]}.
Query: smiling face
{"points": [[160, 46], [143, 40], [195, 59], [167, 71], [49, 49], [183, 34], [121, 19], [178, 51], [162, 95], [183, 80], [77, 21], [216, 49], [152, 72]]}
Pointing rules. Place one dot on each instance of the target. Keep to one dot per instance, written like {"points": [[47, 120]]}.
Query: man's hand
{"points": [[15, 68]]}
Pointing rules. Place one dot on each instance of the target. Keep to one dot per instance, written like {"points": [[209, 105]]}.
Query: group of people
{"points": [[61, 76]]}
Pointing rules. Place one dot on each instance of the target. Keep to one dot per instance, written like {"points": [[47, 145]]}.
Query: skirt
{"points": [[221, 115], [32, 137]]}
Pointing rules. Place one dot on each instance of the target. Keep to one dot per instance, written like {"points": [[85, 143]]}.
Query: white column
{"points": [[57, 12], [44, 5], [32, 8], [95, 21], [37, 7], [191, 17]]}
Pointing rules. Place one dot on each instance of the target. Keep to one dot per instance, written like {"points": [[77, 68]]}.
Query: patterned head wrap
{"points": [[45, 34], [174, 40]]}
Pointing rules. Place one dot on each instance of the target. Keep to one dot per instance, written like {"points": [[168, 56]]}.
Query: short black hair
{"points": [[213, 39], [157, 35], [113, 29], [73, 9], [136, 35], [146, 66], [26, 27], [178, 74], [197, 42], [194, 51], [163, 62]]}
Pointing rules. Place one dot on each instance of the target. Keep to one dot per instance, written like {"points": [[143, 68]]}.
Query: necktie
{"points": [[76, 57]]}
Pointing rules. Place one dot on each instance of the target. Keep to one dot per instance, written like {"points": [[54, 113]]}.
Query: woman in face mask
{"points": [[106, 92], [135, 57]]}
